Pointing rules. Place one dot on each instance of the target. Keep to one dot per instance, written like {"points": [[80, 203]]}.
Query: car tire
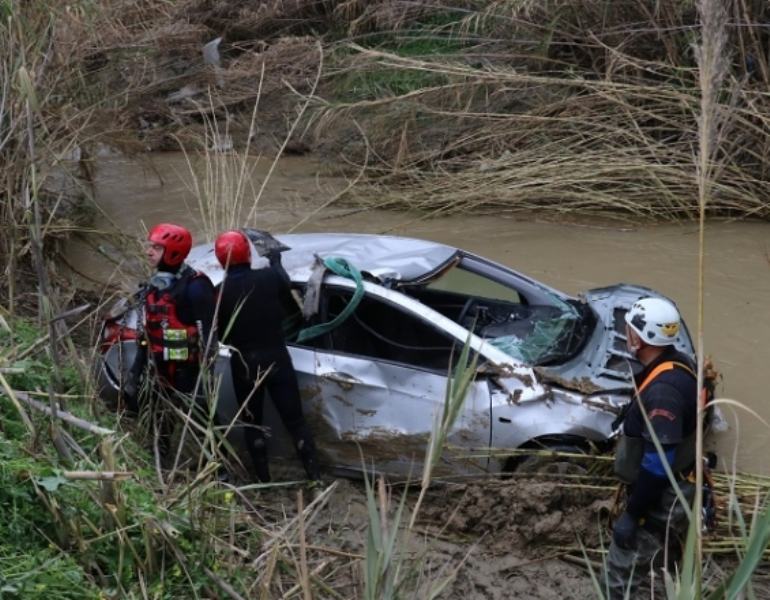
{"points": [[540, 463]]}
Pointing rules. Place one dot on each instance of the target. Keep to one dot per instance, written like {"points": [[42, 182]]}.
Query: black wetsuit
{"points": [[252, 308]]}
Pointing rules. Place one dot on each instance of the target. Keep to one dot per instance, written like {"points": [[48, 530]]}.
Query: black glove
{"points": [[624, 533]]}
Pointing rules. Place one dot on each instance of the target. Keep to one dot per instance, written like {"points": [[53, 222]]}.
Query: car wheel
{"points": [[546, 460]]}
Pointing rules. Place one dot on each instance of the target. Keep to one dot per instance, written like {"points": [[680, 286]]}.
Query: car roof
{"points": [[383, 256]]}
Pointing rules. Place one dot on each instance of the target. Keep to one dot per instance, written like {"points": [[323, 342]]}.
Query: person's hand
{"points": [[273, 256], [624, 533]]}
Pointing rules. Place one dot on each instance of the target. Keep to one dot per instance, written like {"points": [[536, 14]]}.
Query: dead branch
{"points": [[60, 414], [98, 475]]}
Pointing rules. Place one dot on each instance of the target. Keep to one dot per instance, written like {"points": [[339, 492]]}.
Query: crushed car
{"points": [[552, 372]]}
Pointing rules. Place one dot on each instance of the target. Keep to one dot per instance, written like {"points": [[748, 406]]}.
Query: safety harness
{"points": [[630, 450]]}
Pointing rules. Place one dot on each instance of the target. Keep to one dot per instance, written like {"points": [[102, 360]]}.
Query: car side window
{"points": [[461, 281], [380, 331]]}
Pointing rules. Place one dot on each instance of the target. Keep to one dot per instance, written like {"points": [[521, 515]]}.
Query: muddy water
{"points": [[567, 256]]}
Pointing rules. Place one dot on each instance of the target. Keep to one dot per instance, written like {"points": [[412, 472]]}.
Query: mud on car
{"points": [[552, 371]]}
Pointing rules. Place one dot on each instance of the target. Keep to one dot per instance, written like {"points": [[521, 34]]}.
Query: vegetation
{"points": [[559, 107], [562, 107]]}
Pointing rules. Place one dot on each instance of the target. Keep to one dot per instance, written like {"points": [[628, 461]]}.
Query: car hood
{"points": [[604, 364]]}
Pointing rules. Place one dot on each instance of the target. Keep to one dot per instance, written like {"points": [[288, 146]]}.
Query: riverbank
{"points": [[459, 108], [89, 515], [453, 112]]}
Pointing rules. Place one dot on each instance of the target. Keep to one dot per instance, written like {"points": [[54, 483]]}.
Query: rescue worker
{"points": [[178, 313], [252, 307], [667, 389]]}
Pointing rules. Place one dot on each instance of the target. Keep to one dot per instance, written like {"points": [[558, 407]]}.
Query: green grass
{"points": [[60, 537], [370, 85], [31, 563], [34, 369], [430, 37]]}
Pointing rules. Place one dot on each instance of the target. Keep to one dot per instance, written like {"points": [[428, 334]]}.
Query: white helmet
{"points": [[657, 321]]}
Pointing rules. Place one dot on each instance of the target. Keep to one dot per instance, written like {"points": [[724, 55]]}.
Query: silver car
{"points": [[552, 371]]}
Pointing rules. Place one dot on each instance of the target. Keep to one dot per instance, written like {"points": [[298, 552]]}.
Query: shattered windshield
{"points": [[539, 337], [537, 328]]}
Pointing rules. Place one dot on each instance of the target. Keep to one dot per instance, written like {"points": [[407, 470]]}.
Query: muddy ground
{"points": [[517, 538]]}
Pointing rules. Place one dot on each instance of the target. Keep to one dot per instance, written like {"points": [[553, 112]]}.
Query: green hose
{"points": [[341, 267]]}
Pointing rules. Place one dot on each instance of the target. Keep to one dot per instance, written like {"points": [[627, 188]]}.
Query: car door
{"points": [[381, 378]]}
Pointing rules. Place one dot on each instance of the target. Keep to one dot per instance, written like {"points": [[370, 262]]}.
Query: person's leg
{"points": [[244, 374], [186, 382], [163, 421], [630, 569], [284, 391]]}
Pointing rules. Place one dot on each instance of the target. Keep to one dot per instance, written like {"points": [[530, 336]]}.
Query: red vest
{"points": [[170, 339]]}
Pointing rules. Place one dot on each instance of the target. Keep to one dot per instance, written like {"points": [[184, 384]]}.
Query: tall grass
{"points": [[564, 110], [712, 57], [712, 60], [37, 128], [466, 106], [222, 180], [688, 581]]}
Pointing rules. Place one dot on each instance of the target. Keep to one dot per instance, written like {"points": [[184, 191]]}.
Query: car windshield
{"points": [[534, 326], [540, 335]]}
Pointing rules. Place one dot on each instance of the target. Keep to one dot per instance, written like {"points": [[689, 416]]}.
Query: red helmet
{"points": [[232, 248], [176, 242]]}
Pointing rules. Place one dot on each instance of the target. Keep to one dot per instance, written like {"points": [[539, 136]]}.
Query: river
{"points": [[569, 256]]}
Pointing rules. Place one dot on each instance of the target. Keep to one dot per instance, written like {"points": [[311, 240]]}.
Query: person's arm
{"points": [[135, 374], [202, 302], [281, 287], [274, 257]]}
